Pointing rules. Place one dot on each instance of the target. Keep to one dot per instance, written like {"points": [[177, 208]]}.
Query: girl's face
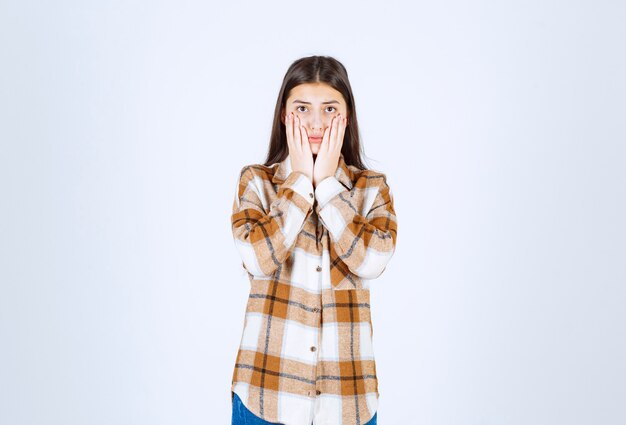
{"points": [[316, 104]]}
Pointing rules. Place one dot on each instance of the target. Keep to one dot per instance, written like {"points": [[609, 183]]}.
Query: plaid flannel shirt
{"points": [[306, 352]]}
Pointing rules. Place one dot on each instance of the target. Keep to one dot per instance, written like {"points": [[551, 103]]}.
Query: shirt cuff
{"points": [[327, 189], [302, 185]]}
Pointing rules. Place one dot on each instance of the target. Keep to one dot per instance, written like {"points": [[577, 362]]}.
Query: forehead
{"points": [[315, 93]]}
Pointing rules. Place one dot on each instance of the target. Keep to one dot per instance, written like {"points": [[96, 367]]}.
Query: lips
{"points": [[315, 139]]}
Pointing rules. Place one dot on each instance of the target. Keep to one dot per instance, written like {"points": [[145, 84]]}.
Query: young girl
{"points": [[313, 227]]}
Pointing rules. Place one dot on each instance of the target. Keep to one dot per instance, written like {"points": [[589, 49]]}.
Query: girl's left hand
{"points": [[327, 158]]}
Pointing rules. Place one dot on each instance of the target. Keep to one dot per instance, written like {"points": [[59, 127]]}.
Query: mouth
{"points": [[315, 139]]}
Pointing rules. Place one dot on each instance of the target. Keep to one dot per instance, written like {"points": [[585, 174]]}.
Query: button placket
{"points": [[313, 349]]}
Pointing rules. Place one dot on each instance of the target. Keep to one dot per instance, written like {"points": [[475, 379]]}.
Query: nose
{"points": [[316, 123]]}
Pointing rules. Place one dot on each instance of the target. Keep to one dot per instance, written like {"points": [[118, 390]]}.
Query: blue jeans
{"points": [[243, 416]]}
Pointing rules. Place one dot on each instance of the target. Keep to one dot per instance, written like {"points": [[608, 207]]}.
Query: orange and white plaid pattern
{"points": [[306, 353]]}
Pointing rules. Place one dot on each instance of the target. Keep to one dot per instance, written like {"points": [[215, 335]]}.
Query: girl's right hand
{"points": [[299, 147]]}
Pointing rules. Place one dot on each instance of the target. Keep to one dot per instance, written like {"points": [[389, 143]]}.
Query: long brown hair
{"points": [[316, 69]]}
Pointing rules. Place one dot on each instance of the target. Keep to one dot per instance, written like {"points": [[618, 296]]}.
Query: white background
{"points": [[500, 126]]}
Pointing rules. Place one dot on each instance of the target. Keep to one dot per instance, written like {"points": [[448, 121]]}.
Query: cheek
{"points": [[329, 121]]}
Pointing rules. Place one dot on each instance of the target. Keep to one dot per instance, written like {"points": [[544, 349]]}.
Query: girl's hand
{"points": [[299, 147], [330, 149]]}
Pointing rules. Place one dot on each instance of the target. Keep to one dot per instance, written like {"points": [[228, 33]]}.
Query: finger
{"points": [[324, 145], [303, 136], [305, 140], [333, 133], [289, 130], [297, 135], [336, 148], [341, 133]]}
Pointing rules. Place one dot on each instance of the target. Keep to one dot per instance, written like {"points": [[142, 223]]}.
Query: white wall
{"points": [[500, 125]]}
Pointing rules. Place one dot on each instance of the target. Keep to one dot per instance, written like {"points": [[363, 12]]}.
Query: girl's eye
{"points": [[302, 106]]}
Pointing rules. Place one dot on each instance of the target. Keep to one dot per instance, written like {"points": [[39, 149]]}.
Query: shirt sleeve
{"points": [[361, 222], [266, 234]]}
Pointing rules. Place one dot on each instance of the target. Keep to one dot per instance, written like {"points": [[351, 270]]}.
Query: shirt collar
{"points": [[344, 174]]}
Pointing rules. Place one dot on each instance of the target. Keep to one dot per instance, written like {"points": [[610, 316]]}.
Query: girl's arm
{"points": [[265, 234], [361, 222]]}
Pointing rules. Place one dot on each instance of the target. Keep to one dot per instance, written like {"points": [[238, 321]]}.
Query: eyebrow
{"points": [[309, 103]]}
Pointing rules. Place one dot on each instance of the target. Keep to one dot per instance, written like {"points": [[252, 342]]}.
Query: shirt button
{"points": [[310, 194], [318, 392], [319, 268], [313, 348]]}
